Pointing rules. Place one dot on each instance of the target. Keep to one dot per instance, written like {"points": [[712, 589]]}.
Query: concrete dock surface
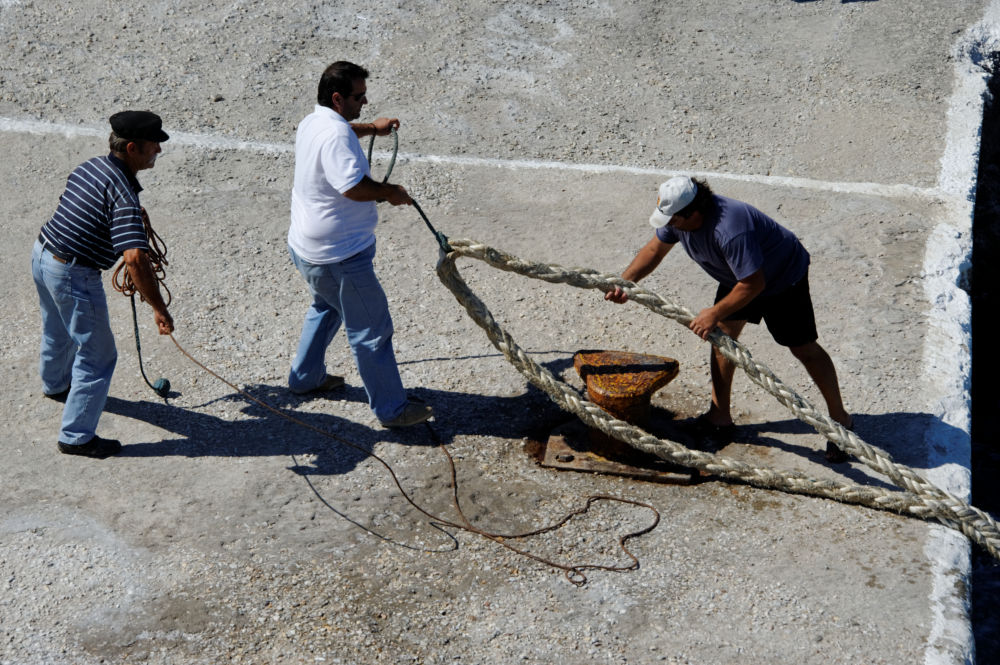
{"points": [[226, 533]]}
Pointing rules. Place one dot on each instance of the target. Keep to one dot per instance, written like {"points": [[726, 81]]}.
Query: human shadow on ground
{"points": [[347, 442], [527, 414], [900, 434]]}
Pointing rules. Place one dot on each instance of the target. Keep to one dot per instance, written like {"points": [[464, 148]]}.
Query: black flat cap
{"points": [[138, 126]]}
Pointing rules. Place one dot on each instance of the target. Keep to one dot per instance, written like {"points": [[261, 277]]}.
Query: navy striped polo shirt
{"points": [[98, 216]]}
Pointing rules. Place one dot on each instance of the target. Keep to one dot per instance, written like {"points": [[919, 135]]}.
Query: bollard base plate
{"points": [[570, 447]]}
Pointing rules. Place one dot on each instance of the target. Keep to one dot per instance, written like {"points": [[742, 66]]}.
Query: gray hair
{"points": [[117, 143]]}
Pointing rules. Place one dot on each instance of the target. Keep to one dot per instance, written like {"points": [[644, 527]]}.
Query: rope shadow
{"points": [[852, 473], [205, 435], [664, 425], [266, 434], [898, 433], [479, 356]]}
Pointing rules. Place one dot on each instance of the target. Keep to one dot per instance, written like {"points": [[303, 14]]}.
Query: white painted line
{"points": [[862, 188], [947, 359], [207, 141], [41, 127], [217, 142]]}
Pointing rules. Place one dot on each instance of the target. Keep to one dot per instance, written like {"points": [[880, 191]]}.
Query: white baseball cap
{"points": [[675, 195]]}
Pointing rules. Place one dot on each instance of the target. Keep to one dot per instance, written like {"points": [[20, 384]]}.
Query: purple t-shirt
{"points": [[736, 240]]}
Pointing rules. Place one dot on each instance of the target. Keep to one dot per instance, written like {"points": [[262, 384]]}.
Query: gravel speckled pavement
{"points": [[223, 533]]}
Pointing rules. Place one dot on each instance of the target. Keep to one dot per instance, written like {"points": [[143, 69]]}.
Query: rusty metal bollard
{"points": [[622, 383]]}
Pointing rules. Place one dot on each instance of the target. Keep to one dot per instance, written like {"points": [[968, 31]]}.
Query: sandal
{"points": [[834, 455], [715, 436]]}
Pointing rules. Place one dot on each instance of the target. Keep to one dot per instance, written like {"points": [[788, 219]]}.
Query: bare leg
{"points": [[722, 377], [820, 367]]}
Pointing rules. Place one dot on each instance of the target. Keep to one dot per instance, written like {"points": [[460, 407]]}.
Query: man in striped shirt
{"points": [[98, 219]]}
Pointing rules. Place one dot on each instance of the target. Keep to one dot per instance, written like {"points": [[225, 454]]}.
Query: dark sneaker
{"points": [[329, 382], [59, 396], [96, 447], [415, 412]]}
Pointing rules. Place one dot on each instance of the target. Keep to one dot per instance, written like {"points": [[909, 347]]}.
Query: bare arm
{"points": [[369, 190], [744, 291], [141, 272], [381, 127], [645, 262]]}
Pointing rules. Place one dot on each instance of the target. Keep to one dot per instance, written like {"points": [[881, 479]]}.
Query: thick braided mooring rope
{"points": [[920, 498]]}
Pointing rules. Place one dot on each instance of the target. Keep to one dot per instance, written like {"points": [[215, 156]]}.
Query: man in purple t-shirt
{"points": [[763, 273]]}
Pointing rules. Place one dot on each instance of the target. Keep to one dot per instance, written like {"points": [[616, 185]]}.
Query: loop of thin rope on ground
{"points": [[573, 572], [920, 498]]}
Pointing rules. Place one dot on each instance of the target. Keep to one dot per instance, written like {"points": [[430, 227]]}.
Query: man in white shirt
{"points": [[332, 243]]}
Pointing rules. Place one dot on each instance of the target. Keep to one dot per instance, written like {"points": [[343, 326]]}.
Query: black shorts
{"points": [[788, 315]]}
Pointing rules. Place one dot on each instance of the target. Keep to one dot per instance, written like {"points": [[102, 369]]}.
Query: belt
{"points": [[46, 245]]}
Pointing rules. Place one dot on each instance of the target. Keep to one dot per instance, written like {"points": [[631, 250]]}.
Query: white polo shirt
{"points": [[328, 227]]}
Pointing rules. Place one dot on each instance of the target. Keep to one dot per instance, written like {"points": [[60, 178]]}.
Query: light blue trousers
{"points": [[349, 293], [78, 348]]}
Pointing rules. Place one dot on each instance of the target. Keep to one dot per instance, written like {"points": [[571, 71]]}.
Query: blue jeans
{"points": [[349, 293], [78, 348]]}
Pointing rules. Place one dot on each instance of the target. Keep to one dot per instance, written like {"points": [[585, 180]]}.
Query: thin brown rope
{"points": [[574, 573], [121, 280]]}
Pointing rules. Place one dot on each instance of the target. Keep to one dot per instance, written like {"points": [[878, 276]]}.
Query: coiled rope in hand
{"points": [[122, 282], [920, 497]]}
